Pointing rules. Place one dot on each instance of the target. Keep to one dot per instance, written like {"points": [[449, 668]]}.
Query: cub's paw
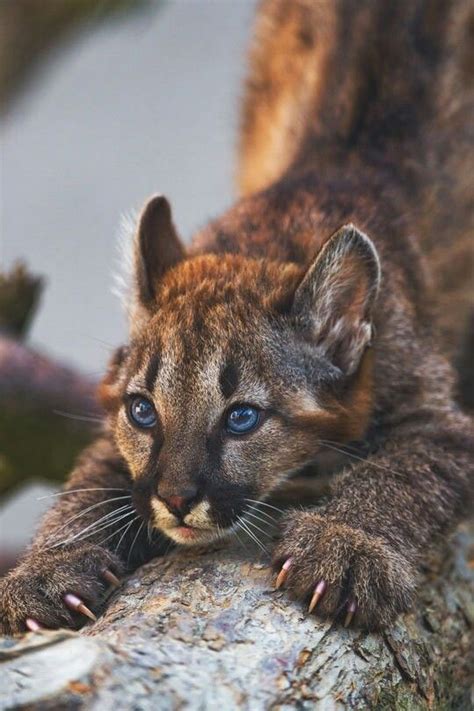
{"points": [[57, 588], [342, 572]]}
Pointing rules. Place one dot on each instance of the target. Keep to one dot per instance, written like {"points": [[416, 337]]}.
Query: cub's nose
{"points": [[180, 504]]}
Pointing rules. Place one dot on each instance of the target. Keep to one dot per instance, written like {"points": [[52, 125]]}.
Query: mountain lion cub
{"points": [[324, 311]]}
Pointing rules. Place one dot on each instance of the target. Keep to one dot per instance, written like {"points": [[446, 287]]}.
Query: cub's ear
{"points": [[337, 295], [157, 248], [110, 387]]}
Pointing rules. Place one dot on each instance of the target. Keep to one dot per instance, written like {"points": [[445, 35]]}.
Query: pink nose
{"points": [[179, 504], [176, 502]]}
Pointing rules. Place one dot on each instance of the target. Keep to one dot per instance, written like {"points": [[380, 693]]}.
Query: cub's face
{"points": [[224, 390]]}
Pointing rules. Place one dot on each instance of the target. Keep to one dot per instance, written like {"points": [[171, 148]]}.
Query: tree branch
{"points": [[206, 630], [35, 440]]}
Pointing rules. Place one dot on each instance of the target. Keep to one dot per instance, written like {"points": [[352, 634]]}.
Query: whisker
{"points": [[76, 491], [262, 520], [115, 533], [108, 524], [237, 527], [81, 535], [221, 532], [134, 541], [95, 527], [346, 446], [90, 508], [95, 524], [98, 340], [264, 503], [254, 537], [124, 534], [263, 513], [80, 418], [235, 533], [367, 460], [251, 534], [253, 525]]}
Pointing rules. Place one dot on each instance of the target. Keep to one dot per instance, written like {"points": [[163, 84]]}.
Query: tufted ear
{"points": [[157, 248], [336, 297]]}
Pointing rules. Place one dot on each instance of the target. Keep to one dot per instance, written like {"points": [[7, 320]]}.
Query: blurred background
{"points": [[103, 102]]}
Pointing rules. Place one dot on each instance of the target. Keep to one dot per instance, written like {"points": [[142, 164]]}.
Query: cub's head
{"points": [[237, 372]]}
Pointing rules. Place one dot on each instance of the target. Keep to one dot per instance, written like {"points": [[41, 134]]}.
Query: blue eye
{"points": [[242, 419], [142, 412]]}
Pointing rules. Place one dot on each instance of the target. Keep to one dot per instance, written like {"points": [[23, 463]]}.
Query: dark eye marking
{"points": [[228, 379], [141, 412], [241, 419], [152, 371]]}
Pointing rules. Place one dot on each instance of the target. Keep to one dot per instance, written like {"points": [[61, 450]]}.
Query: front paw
{"points": [[343, 572], [56, 588]]}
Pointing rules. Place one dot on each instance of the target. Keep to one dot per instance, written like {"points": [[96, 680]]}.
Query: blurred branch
{"points": [[19, 297], [35, 440], [30, 28]]}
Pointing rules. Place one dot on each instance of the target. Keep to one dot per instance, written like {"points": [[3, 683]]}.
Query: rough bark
{"points": [[206, 630]]}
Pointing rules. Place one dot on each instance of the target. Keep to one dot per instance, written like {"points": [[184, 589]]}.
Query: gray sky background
{"points": [[147, 103]]}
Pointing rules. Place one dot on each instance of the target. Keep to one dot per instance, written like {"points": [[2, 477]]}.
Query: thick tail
{"points": [[347, 74]]}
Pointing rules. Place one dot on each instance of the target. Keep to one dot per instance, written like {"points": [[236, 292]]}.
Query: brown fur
{"points": [[374, 86], [356, 114]]}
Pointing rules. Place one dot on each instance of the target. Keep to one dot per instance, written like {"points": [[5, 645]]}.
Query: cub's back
{"points": [[338, 83]]}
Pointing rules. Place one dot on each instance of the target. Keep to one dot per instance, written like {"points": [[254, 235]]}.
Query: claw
{"points": [[351, 610], [75, 603], [33, 625], [319, 591], [111, 578], [283, 574]]}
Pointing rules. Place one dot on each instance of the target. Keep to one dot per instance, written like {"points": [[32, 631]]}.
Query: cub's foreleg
{"points": [[90, 536], [358, 557]]}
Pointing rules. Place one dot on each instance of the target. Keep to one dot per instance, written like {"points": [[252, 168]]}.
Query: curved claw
{"points": [[111, 578], [351, 610], [283, 574], [75, 603], [33, 625], [319, 591]]}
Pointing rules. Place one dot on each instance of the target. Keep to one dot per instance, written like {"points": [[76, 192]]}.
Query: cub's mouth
{"points": [[191, 535], [255, 520], [192, 526]]}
